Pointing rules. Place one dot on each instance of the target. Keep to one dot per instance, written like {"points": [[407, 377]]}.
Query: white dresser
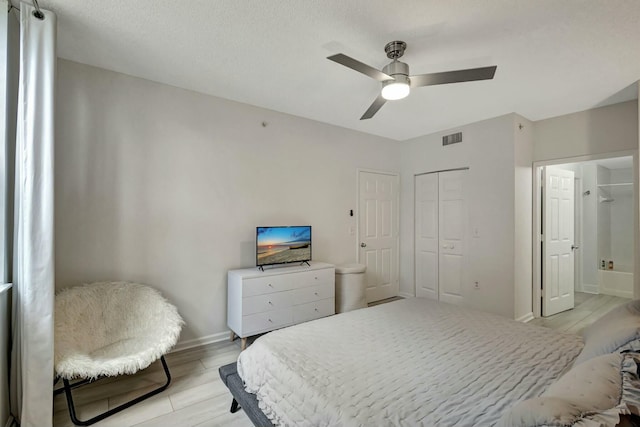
{"points": [[261, 301]]}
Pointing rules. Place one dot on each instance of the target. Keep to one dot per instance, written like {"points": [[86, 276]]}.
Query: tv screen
{"points": [[280, 245]]}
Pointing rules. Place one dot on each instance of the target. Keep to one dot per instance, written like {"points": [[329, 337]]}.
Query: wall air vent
{"points": [[454, 138]]}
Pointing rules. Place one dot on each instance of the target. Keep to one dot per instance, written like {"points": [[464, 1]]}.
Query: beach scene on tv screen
{"points": [[276, 245]]}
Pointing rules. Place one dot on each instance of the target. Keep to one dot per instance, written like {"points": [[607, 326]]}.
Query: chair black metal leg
{"points": [[72, 410], [74, 385], [234, 406]]}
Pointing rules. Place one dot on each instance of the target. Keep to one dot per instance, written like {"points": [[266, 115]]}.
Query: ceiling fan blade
{"points": [[373, 109], [484, 73], [360, 67]]}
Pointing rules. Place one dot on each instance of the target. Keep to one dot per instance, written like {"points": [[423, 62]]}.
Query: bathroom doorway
{"points": [[585, 231]]}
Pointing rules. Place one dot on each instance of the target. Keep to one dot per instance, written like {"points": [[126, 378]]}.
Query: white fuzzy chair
{"points": [[108, 329]]}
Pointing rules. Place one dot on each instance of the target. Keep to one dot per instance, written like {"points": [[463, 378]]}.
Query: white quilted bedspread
{"points": [[413, 362]]}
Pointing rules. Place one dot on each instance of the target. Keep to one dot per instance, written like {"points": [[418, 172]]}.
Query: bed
{"points": [[414, 362]]}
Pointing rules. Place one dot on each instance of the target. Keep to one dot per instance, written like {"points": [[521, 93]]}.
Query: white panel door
{"points": [[452, 233], [378, 231], [558, 241], [426, 237]]}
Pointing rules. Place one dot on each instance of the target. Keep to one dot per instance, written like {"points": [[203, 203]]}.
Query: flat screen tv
{"points": [[282, 245]]}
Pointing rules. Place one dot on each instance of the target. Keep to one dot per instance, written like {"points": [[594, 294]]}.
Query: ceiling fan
{"points": [[395, 78]]}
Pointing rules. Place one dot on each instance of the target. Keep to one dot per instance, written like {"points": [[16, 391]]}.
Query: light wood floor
{"points": [[197, 396], [588, 308]]}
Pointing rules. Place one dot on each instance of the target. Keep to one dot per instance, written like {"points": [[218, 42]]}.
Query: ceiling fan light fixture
{"points": [[396, 83], [395, 89]]}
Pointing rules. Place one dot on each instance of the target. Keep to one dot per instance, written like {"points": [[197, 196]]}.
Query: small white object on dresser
{"points": [[261, 301]]}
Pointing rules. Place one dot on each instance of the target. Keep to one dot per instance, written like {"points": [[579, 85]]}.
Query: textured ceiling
{"points": [[554, 57]]}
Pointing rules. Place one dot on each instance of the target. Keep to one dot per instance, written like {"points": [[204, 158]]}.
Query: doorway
{"points": [[585, 240], [378, 233]]}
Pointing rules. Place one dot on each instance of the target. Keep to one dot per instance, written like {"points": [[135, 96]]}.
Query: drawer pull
{"points": [[270, 321], [315, 309], [270, 285], [315, 293], [316, 278], [270, 303]]}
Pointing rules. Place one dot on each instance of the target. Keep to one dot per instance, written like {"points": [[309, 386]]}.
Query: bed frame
{"points": [[242, 399]]}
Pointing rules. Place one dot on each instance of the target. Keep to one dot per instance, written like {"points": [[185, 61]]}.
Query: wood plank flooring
{"points": [[588, 308], [198, 398]]}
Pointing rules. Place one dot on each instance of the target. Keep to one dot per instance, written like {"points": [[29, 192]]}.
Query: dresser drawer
{"points": [[267, 321], [313, 293], [266, 285], [266, 302], [313, 278], [314, 310]]}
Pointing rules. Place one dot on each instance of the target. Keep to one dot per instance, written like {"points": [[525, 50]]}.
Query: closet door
{"points": [[426, 238], [452, 235]]}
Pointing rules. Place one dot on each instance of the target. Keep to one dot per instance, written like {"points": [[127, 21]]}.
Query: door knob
{"points": [[363, 245], [574, 247]]}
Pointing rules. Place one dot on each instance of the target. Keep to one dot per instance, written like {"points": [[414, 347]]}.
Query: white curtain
{"points": [[33, 274]]}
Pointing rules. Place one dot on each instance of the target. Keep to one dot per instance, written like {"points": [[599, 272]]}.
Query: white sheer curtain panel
{"points": [[33, 274]]}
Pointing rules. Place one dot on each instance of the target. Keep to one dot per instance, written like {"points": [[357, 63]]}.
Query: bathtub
{"points": [[616, 282]]}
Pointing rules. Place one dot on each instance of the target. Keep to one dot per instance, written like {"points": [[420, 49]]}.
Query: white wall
{"points": [[165, 186], [523, 245], [604, 216], [589, 247], [597, 131], [636, 210], [488, 150], [621, 214]]}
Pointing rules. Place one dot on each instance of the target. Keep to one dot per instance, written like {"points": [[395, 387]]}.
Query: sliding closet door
{"points": [[426, 239], [452, 235]]}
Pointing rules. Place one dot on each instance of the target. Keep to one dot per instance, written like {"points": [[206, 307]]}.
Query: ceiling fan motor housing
{"points": [[398, 70]]}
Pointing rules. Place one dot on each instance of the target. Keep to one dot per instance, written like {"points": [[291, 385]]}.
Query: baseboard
{"points": [[617, 293], [197, 342], [406, 295], [589, 288], [526, 318]]}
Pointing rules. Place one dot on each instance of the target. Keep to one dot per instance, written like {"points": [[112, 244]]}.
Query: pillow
{"points": [[598, 392], [618, 330]]}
